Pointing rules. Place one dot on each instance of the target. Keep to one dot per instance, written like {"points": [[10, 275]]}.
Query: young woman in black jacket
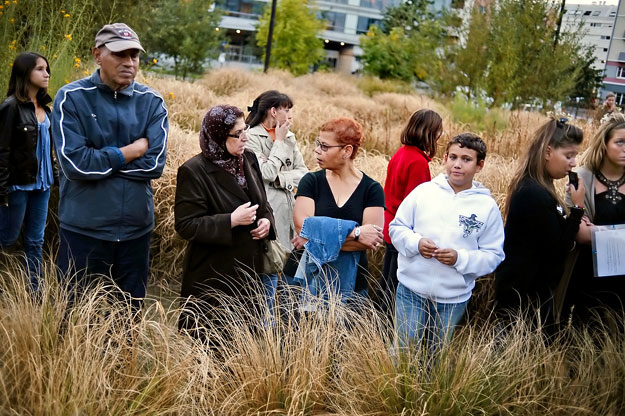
{"points": [[540, 229], [26, 163]]}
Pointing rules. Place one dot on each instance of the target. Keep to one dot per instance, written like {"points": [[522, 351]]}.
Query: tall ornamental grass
{"points": [[69, 354], [61, 30]]}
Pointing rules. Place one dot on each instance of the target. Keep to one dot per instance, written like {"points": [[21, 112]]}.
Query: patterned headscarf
{"points": [[216, 124]]}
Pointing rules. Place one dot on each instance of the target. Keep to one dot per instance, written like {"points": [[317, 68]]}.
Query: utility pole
{"points": [[270, 35], [559, 26]]}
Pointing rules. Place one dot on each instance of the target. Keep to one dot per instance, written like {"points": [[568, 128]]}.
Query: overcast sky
{"points": [[591, 2]]}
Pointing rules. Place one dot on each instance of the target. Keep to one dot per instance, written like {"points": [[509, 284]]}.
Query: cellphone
{"points": [[573, 179]]}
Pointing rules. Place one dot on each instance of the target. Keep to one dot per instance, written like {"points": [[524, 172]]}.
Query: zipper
{"points": [[121, 211]]}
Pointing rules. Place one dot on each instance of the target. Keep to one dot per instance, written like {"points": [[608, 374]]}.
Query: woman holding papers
{"points": [[602, 172]]}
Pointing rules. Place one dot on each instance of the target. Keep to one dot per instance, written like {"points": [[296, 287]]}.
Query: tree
{"points": [[471, 59], [185, 31], [296, 46], [589, 80], [408, 46], [511, 55], [389, 55]]}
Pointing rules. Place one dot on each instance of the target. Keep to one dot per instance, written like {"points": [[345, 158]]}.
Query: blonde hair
{"points": [[554, 134], [593, 156]]}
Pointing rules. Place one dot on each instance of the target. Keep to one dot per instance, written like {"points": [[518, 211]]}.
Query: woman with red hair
{"points": [[341, 191]]}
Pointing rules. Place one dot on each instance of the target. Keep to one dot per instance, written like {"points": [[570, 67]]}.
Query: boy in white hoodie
{"points": [[448, 232]]}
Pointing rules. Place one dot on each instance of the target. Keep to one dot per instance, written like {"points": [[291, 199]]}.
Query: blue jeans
{"points": [[29, 208], [417, 317], [270, 284], [84, 258]]}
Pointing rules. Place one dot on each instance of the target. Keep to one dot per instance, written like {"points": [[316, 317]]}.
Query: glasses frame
{"points": [[326, 147], [241, 133]]}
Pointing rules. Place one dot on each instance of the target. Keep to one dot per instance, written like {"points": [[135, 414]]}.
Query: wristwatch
{"points": [[356, 233]]}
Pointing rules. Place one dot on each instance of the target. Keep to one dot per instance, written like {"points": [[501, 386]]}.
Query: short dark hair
{"points": [[23, 65], [470, 141]]}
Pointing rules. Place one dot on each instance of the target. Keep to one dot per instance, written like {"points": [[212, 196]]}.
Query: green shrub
{"points": [[372, 85], [477, 115]]}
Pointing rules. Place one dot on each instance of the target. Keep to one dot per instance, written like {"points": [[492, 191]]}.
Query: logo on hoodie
{"points": [[470, 224]]}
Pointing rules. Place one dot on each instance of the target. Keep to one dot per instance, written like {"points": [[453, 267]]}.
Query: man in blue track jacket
{"points": [[110, 134]]}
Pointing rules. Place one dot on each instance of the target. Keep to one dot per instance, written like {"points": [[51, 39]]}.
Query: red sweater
{"points": [[408, 168]]}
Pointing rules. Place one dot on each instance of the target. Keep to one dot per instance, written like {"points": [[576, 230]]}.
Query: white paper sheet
{"points": [[608, 248]]}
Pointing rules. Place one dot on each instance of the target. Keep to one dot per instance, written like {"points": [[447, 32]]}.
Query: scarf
{"points": [[215, 126]]}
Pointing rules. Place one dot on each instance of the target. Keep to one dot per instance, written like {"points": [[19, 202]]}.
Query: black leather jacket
{"points": [[18, 144]]}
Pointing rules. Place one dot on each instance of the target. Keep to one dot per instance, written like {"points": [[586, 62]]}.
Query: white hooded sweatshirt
{"points": [[468, 222]]}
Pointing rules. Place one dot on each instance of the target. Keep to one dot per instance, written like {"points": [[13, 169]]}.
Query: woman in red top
{"points": [[408, 168]]}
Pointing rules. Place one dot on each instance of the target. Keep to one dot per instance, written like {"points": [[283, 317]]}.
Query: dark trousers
{"points": [[388, 283], [85, 259]]}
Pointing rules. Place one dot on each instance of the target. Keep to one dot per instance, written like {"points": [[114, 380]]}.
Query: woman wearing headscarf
{"points": [[221, 209]]}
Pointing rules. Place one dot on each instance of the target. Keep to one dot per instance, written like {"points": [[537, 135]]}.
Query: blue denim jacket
{"points": [[323, 263]]}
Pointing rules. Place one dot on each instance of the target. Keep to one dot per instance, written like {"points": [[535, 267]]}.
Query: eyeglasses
{"points": [[240, 133], [325, 147]]}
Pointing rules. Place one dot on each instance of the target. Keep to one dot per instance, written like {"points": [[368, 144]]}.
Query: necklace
{"points": [[612, 194]]}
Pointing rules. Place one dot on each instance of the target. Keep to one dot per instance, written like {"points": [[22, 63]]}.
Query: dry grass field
{"points": [[96, 359]]}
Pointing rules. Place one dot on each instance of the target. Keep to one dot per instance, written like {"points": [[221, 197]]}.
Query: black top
{"points": [[538, 238], [586, 291], [607, 213], [368, 193], [315, 185]]}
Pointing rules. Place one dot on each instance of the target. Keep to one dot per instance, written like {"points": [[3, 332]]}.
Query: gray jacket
{"points": [[282, 166], [588, 178]]}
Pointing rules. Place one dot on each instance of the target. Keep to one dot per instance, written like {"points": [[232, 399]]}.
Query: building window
{"points": [[244, 7], [596, 13], [612, 14], [620, 72], [605, 49], [605, 37], [619, 98], [379, 4], [595, 25], [335, 21], [365, 22]]}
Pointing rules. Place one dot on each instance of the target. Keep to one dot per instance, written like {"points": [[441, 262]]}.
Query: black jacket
{"points": [[219, 257], [538, 238], [18, 144]]}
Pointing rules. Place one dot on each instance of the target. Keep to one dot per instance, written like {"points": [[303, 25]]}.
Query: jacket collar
{"points": [[43, 101], [231, 185], [95, 78], [260, 131]]}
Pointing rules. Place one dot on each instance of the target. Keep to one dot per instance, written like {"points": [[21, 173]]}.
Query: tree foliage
{"points": [[506, 53], [185, 31], [295, 45], [407, 45]]}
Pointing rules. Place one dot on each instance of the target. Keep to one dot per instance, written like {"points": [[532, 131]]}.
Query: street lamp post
{"points": [[270, 35]]}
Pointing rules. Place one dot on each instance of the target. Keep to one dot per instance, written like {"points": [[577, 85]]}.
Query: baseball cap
{"points": [[118, 37]]}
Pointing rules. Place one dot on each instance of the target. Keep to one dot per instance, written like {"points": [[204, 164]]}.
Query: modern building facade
{"points": [[346, 21], [596, 21], [614, 74]]}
